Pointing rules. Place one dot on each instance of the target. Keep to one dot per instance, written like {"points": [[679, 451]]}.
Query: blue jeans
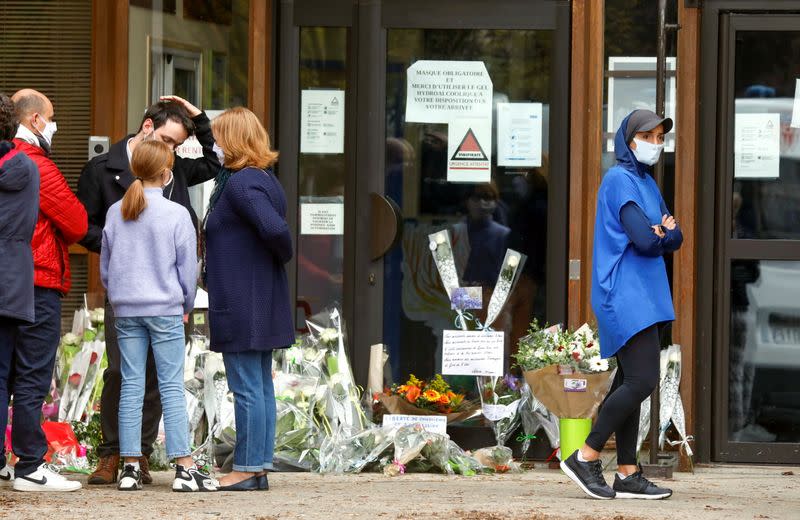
{"points": [[8, 337], [165, 334], [31, 371], [249, 376]]}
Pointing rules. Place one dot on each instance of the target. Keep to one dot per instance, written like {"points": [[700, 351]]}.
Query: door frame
{"points": [[721, 20], [369, 21]]}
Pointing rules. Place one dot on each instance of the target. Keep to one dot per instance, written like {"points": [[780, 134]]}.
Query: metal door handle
{"points": [[386, 225]]}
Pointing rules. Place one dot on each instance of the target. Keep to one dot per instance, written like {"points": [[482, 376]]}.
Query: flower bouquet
{"points": [[501, 398], [671, 406], [297, 434], [338, 399], [80, 368], [342, 453], [566, 374], [435, 397]]}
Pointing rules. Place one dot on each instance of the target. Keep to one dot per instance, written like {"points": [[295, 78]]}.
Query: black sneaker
{"points": [[636, 486], [192, 479], [130, 479], [589, 476]]}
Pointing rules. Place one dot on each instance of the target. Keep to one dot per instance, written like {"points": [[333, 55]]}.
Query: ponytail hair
{"points": [[149, 160]]}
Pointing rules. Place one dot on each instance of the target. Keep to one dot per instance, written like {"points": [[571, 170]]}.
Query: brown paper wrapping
{"points": [[547, 386], [396, 404]]}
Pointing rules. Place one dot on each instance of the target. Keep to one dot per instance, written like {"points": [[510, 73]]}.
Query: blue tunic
{"points": [[630, 290]]}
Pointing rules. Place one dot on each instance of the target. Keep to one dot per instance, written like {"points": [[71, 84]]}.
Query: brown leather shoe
{"points": [[106, 471], [144, 469]]}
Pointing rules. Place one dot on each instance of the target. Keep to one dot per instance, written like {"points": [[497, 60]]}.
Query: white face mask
{"points": [[220, 154], [647, 153], [48, 131]]}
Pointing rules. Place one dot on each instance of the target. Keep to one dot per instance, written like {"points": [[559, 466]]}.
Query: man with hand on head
{"points": [[103, 182], [61, 222]]}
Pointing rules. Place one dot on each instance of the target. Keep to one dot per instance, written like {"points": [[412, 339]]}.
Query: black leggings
{"points": [[637, 376]]}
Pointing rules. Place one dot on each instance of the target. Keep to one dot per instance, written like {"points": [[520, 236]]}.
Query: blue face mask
{"points": [[647, 153]]}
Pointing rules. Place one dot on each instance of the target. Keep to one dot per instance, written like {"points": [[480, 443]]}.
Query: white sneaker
{"points": [[6, 475], [44, 479], [192, 479]]}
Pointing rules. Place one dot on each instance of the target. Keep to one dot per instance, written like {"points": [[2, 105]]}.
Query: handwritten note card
{"points": [[431, 423], [473, 353]]}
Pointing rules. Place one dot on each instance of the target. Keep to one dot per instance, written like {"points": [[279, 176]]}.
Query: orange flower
{"points": [[444, 399], [432, 395], [451, 394], [402, 389], [412, 394]]}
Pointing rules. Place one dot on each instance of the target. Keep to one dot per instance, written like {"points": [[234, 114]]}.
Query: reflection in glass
{"points": [[195, 52], [198, 52], [768, 207], [483, 219], [321, 177], [763, 397]]}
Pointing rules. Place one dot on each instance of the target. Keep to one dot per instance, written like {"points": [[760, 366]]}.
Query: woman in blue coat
{"points": [[247, 244], [631, 298], [19, 209]]}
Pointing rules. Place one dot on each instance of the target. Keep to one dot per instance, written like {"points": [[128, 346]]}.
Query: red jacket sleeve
{"points": [[59, 204]]}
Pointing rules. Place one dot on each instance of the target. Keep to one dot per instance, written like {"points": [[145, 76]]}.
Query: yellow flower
{"points": [[431, 395]]}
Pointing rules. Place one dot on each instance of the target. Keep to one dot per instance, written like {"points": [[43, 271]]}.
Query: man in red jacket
{"points": [[62, 221]]}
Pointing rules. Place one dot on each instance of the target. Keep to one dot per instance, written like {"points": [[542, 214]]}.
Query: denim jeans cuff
{"points": [[248, 469], [171, 456], [269, 466], [130, 454]]}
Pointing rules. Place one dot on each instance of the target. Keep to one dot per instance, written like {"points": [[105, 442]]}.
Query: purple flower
{"points": [[462, 300], [511, 382]]}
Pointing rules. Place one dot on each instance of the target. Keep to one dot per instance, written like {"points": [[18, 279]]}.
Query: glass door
{"points": [[366, 185], [757, 351], [406, 156]]}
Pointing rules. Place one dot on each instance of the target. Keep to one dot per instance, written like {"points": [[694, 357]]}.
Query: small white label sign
{"points": [[757, 146], [431, 423], [322, 121], [519, 134], [322, 219], [575, 385], [472, 353]]}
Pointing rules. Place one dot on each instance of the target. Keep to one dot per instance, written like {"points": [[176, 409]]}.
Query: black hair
{"points": [[164, 111], [8, 118]]}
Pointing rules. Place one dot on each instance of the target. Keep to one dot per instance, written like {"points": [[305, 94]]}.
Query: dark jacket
{"points": [[247, 244], [105, 179], [62, 221], [19, 208]]}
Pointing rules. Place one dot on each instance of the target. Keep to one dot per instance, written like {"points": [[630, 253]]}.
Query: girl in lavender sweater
{"points": [[148, 264]]}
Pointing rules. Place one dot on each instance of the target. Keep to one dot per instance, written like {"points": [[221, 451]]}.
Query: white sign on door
{"points": [[439, 91], [469, 150], [322, 121], [757, 146], [519, 134]]}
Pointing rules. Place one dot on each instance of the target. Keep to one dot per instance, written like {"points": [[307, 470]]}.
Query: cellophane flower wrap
{"points": [[80, 369], [209, 402], [564, 369], [338, 399], [297, 437], [501, 399], [671, 410]]}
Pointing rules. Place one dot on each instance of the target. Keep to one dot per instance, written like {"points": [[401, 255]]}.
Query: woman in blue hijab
{"points": [[631, 298]]}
